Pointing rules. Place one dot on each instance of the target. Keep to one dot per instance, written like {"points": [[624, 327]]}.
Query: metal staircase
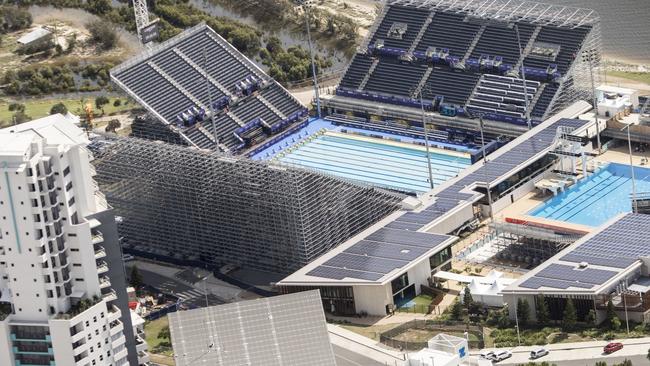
{"points": [[178, 86], [271, 107], [214, 82], [235, 118], [423, 81], [536, 97], [423, 29], [375, 62], [473, 44]]}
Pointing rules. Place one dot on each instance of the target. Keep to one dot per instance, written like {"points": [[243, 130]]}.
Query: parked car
{"points": [[612, 347], [538, 352], [501, 355], [487, 355]]}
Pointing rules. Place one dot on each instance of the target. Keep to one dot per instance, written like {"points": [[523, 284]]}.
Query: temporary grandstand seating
{"points": [[502, 41], [414, 19], [503, 95], [570, 41], [394, 78], [456, 86], [448, 30], [171, 80], [356, 71], [544, 100]]}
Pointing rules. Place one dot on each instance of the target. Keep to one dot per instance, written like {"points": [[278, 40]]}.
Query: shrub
{"points": [[59, 108], [103, 34]]}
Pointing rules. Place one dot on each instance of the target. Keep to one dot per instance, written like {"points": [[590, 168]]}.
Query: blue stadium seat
{"points": [[391, 76], [502, 41], [448, 30], [414, 19]]}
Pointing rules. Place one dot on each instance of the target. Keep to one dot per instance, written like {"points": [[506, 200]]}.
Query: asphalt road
{"points": [[345, 357], [191, 297]]}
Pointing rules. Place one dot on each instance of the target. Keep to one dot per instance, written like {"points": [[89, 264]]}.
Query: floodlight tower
{"points": [[141, 17]]}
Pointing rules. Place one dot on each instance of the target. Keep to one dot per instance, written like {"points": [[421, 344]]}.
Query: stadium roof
{"points": [[280, 330], [376, 255], [595, 263]]}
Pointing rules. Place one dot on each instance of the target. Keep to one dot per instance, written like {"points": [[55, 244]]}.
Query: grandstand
{"points": [[202, 207], [508, 61], [187, 79]]}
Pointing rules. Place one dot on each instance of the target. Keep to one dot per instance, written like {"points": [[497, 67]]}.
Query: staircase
{"points": [[423, 29], [207, 133], [473, 44], [422, 82], [177, 85], [364, 46], [235, 118], [196, 67], [375, 62], [532, 103], [271, 107], [526, 51]]}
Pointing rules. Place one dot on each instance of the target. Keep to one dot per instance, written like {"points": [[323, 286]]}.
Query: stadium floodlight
{"points": [[306, 4], [485, 161], [629, 146], [523, 76], [426, 133], [591, 56]]}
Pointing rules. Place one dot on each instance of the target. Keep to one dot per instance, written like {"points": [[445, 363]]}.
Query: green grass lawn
{"points": [[151, 330], [369, 331], [419, 304], [643, 77], [38, 108]]}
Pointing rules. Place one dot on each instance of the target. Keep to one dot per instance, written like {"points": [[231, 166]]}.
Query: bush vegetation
{"points": [[47, 79]]}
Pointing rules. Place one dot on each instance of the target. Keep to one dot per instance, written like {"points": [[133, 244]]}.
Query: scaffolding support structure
{"points": [[199, 205], [527, 244]]}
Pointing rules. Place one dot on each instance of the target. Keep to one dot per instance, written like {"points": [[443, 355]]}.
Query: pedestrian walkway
{"points": [[365, 346]]}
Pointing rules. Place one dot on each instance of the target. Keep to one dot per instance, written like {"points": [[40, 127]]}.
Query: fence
{"points": [[390, 337]]}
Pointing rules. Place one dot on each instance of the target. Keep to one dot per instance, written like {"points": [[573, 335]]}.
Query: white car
{"points": [[487, 355], [538, 352], [501, 355]]}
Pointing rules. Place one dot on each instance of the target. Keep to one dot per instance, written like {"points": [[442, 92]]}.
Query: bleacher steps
{"points": [[271, 107], [423, 81], [375, 62], [364, 46], [529, 46], [235, 118], [473, 44], [536, 97], [178, 86], [206, 132], [423, 29], [238, 56], [196, 67]]}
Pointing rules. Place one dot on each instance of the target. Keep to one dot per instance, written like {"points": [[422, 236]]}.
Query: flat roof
{"points": [[11, 145], [376, 255], [34, 35], [56, 129], [595, 262], [274, 331]]}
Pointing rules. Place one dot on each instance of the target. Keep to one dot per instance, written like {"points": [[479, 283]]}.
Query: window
{"points": [[71, 201], [66, 171], [79, 279], [440, 257], [400, 282], [68, 186], [37, 217], [32, 187]]}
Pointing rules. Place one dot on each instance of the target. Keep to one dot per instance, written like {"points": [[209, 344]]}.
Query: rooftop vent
{"points": [[583, 265]]}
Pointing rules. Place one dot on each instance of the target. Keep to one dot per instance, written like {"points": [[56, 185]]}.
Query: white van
{"points": [[538, 352]]}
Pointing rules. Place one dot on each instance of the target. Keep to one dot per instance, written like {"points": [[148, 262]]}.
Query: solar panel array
{"points": [[451, 197], [281, 330], [616, 246], [378, 254], [171, 80]]}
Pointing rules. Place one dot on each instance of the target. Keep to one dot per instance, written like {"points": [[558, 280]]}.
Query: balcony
{"points": [[30, 338], [104, 282], [102, 267], [116, 328], [114, 314], [97, 238], [19, 363], [120, 355], [143, 357], [100, 252], [31, 350], [110, 296], [140, 344]]}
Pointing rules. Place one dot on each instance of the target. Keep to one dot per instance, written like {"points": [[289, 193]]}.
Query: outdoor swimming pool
{"points": [[392, 166], [597, 198]]}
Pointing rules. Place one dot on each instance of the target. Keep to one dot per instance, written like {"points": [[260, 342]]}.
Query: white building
{"points": [[613, 100], [445, 350], [57, 303]]}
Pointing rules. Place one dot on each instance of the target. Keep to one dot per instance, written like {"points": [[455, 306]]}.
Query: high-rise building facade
{"points": [[58, 305]]}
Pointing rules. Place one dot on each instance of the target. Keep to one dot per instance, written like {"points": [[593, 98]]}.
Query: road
{"points": [[346, 357], [585, 353]]}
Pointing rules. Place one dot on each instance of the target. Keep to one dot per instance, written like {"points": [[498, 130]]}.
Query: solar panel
{"points": [[537, 282], [341, 273], [274, 331], [570, 273], [384, 250], [363, 263]]}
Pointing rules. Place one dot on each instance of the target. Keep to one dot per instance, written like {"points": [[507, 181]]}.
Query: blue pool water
{"points": [[379, 164], [597, 198]]}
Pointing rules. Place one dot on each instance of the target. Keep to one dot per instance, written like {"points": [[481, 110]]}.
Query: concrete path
{"points": [[360, 345]]}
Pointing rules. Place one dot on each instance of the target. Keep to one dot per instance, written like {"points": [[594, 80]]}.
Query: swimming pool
{"points": [[597, 198], [382, 164]]}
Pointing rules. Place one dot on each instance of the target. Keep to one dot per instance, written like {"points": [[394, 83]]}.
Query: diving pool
{"points": [[382, 164], [595, 199]]}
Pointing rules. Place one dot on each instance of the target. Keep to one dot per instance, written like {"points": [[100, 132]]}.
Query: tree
{"points": [[610, 314], [570, 315], [542, 313], [456, 310], [591, 318], [648, 355], [113, 125], [99, 7], [16, 107], [164, 333], [20, 117], [59, 108], [101, 101], [523, 311], [625, 362], [136, 277], [600, 363], [467, 298], [103, 34], [615, 324], [504, 318], [117, 103]]}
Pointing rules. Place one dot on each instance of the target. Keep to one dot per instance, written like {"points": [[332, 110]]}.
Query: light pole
{"points": [[523, 76], [629, 146], [426, 141], [305, 7], [590, 55], [211, 107], [205, 291], [516, 320]]}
